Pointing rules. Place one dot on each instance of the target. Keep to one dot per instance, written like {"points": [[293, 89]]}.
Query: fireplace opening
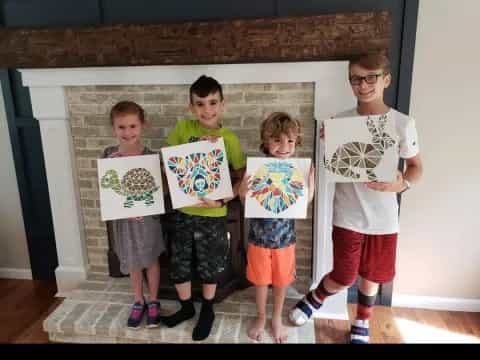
{"points": [[233, 276]]}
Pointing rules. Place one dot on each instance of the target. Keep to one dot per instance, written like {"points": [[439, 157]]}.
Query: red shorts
{"points": [[370, 256], [271, 266]]}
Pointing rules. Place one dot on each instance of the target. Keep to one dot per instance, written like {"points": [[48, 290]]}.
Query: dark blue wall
{"points": [[74, 13], [50, 13]]}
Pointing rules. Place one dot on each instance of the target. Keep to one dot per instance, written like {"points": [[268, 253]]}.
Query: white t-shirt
{"points": [[367, 211]]}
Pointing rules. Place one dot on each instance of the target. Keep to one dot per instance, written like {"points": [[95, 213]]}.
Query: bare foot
{"points": [[256, 330], [279, 332]]}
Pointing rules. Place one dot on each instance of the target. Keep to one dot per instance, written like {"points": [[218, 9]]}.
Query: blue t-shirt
{"points": [[272, 233]]}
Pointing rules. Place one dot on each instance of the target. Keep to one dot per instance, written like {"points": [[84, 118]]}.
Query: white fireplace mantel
{"points": [[332, 94]]}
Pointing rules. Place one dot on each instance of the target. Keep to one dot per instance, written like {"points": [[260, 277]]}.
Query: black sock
{"points": [[205, 321], [186, 312]]}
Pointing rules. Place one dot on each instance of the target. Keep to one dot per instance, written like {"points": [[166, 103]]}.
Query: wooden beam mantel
{"points": [[307, 38]]}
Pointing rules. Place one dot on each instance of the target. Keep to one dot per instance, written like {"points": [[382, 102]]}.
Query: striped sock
{"points": [[310, 303], [359, 330]]}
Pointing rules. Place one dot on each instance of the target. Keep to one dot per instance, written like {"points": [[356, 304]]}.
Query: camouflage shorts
{"points": [[199, 244]]}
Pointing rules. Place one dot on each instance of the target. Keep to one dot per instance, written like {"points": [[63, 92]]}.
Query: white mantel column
{"points": [[327, 105], [50, 109]]}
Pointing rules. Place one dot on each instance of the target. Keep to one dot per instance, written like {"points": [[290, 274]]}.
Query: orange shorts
{"points": [[271, 266]]}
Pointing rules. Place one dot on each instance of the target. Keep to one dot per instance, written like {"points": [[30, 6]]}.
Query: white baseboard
{"points": [[68, 278], [436, 303], [14, 273]]}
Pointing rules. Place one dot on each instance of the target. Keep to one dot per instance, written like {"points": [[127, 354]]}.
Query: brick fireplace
{"points": [[72, 107], [246, 105], [266, 64]]}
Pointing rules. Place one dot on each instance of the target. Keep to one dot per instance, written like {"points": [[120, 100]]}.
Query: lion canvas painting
{"points": [[277, 188]]}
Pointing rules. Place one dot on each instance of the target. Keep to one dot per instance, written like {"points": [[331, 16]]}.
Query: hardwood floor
{"points": [[406, 325], [24, 304]]}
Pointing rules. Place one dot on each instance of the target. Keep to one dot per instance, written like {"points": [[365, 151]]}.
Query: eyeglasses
{"points": [[369, 79]]}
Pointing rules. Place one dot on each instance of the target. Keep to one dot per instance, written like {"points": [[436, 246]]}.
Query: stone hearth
{"points": [[97, 311]]}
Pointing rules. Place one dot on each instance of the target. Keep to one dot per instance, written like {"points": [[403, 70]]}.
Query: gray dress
{"points": [[138, 244]]}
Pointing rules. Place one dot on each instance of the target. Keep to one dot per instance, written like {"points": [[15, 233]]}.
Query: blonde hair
{"points": [[274, 125]]}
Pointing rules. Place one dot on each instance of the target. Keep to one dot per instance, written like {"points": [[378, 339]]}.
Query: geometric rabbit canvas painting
{"points": [[130, 186], [277, 188], [197, 170], [361, 149]]}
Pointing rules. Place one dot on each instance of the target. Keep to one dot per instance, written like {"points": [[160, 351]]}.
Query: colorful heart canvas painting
{"points": [[197, 170]]}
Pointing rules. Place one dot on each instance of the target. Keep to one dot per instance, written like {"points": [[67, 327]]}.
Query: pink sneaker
{"points": [[153, 314], [136, 315]]}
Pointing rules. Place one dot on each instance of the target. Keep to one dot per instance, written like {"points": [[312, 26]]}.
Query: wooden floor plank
{"points": [[460, 324], [23, 305], [332, 331], [35, 334], [383, 326], [471, 322]]}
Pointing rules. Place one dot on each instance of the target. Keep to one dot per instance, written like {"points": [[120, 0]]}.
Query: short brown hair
{"points": [[204, 86], [274, 125], [127, 107], [371, 61]]}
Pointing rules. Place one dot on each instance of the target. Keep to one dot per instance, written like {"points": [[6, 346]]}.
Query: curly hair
{"points": [[274, 125]]}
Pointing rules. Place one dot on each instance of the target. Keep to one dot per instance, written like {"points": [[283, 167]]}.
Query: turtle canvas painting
{"points": [[130, 187], [361, 149], [277, 188], [197, 170]]}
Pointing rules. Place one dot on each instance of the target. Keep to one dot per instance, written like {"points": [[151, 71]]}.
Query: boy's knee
{"points": [[344, 281]]}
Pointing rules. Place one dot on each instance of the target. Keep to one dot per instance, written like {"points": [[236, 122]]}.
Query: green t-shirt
{"points": [[187, 131]]}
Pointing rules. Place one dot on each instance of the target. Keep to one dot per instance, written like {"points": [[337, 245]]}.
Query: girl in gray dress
{"points": [[137, 242]]}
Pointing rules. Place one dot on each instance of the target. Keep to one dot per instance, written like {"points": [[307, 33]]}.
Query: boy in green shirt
{"points": [[202, 228]]}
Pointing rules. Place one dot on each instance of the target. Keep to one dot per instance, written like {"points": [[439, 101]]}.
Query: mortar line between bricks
{"points": [[237, 332], [114, 322], [94, 326], [59, 323], [107, 292], [220, 330], [76, 322]]}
